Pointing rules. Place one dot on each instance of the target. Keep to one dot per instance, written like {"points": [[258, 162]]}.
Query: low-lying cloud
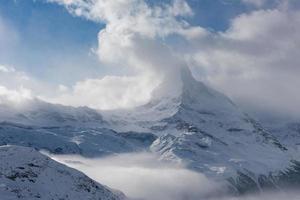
{"points": [[142, 176]]}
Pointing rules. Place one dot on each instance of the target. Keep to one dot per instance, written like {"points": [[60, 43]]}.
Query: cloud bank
{"points": [[142, 176]]}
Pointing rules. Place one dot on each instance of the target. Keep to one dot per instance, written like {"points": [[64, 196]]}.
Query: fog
{"points": [[142, 176]]}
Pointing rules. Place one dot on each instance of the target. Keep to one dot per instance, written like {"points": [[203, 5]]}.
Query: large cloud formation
{"points": [[256, 60]]}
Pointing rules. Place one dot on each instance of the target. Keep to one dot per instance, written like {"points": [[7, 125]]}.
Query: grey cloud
{"points": [[256, 60]]}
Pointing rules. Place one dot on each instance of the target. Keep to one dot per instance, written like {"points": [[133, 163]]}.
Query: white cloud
{"points": [[6, 69], [142, 176], [11, 87], [14, 95], [134, 37], [17, 86], [109, 92]]}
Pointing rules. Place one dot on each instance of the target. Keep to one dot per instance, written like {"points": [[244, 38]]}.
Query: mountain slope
{"points": [[284, 126], [89, 142], [27, 174]]}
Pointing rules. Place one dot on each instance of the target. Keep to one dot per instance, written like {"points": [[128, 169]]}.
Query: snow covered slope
{"points": [[288, 132], [27, 174], [89, 142], [65, 130], [284, 126]]}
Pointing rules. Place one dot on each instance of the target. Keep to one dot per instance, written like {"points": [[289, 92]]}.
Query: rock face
{"points": [[27, 174]]}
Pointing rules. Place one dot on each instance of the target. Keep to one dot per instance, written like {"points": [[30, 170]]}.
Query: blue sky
{"points": [[50, 40]]}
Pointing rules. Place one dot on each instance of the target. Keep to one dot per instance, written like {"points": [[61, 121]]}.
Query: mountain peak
{"points": [[185, 91], [182, 94]]}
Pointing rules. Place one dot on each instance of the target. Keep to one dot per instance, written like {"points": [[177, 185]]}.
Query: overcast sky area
{"points": [[111, 54]]}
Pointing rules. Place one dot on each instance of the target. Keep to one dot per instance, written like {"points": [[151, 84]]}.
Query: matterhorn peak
{"points": [[184, 90]]}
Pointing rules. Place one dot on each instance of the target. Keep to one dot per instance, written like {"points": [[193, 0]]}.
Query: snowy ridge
{"points": [[89, 142], [27, 174]]}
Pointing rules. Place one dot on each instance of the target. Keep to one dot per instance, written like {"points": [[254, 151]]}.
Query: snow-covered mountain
{"points": [[205, 130], [27, 174]]}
